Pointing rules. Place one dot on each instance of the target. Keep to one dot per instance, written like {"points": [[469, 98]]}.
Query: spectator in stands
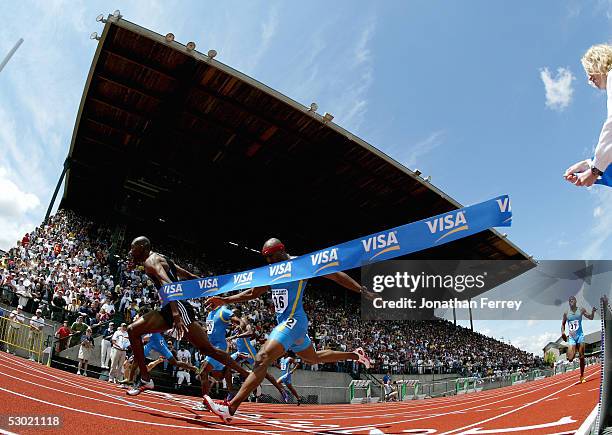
{"points": [[58, 303], [85, 351], [131, 312], [108, 306], [37, 323], [14, 329], [77, 328], [183, 375], [62, 334], [106, 345], [120, 342], [23, 291]]}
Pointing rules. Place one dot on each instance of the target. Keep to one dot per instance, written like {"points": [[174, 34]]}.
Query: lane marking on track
{"points": [[517, 409], [112, 417], [6, 432], [561, 422], [238, 416], [131, 404], [573, 394], [375, 410], [540, 387]]}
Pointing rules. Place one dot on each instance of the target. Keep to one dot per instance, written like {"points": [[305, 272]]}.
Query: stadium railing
{"points": [[20, 338]]}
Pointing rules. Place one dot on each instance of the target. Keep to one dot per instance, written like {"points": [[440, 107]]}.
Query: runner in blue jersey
{"points": [[217, 323], [154, 343], [289, 334], [288, 365], [245, 351], [573, 319]]}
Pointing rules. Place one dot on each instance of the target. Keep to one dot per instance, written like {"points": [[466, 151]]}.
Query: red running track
{"points": [[556, 405]]}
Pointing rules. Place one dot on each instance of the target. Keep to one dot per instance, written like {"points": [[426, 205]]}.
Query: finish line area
{"points": [[555, 405]]}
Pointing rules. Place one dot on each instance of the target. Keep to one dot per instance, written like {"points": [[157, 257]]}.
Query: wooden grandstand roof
{"points": [[176, 141]]}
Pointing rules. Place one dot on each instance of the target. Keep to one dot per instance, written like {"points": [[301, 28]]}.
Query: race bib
{"points": [[290, 322], [210, 324], [573, 326], [280, 298]]}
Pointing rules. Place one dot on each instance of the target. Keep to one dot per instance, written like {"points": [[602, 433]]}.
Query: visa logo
{"points": [[207, 283], [446, 222], [380, 242], [504, 204], [280, 269], [323, 257], [452, 223], [210, 284], [173, 288], [243, 278]]}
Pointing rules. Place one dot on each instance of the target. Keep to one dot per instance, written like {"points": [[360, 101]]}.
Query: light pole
{"points": [[10, 54]]}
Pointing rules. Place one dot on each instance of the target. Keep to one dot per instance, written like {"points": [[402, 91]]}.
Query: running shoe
{"points": [[221, 410], [582, 380], [285, 396], [140, 386], [363, 359], [200, 407]]}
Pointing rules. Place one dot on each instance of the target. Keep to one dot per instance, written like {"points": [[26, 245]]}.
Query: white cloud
{"points": [[559, 89], [15, 203], [534, 343], [268, 31], [409, 155], [352, 107]]}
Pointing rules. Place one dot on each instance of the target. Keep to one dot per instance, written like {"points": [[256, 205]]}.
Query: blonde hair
{"points": [[597, 59]]}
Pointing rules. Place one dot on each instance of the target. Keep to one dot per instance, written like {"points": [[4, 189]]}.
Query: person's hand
{"points": [[214, 302], [586, 179], [570, 173], [179, 327]]}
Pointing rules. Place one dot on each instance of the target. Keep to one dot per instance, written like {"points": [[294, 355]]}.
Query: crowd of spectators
{"points": [[65, 271]]}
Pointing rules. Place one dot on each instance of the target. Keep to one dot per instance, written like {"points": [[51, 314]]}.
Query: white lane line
{"points": [[541, 387], [237, 416], [516, 409]]}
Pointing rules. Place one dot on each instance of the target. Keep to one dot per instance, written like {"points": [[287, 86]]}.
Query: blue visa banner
{"points": [[384, 245]]}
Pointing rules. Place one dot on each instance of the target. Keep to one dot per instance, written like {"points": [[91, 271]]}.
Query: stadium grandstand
{"points": [[209, 163]]}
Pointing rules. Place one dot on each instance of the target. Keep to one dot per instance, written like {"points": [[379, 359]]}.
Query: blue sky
{"points": [[486, 97]]}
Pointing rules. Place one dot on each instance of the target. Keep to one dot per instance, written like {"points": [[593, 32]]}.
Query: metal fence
{"points": [[24, 340]]}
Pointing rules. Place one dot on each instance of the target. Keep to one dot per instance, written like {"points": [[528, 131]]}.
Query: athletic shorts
{"points": [[159, 345], [185, 310], [573, 341], [292, 334], [216, 365], [285, 379], [243, 357]]}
